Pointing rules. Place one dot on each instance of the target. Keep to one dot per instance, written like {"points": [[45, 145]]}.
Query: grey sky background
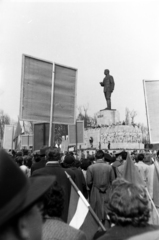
{"points": [[122, 36]]}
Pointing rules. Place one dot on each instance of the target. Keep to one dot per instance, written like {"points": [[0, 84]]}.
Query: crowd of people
{"points": [[36, 191]]}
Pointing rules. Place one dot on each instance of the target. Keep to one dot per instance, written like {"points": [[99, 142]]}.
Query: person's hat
{"points": [[36, 153], [69, 161], [54, 154], [43, 151], [107, 157], [118, 153], [122, 153], [17, 191]]}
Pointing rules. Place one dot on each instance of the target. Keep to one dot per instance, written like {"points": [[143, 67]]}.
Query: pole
{"points": [[152, 202], [85, 201], [76, 138], [51, 108], [146, 109]]}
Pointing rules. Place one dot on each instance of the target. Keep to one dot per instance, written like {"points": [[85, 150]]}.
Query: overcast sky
{"points": [[122, 36]]}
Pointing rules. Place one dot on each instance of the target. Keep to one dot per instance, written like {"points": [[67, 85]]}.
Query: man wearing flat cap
{"points": [[20, 205], [108, 84]]}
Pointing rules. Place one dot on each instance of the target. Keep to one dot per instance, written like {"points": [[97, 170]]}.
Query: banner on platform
{"points": [[76, 133], [41, 135], [8, 137], [151, 90]]}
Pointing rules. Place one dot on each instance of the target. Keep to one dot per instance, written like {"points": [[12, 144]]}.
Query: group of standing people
{"points": [[122, 207]]}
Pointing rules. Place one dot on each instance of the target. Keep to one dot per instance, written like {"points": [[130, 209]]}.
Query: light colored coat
{"points": [[99, 177]]}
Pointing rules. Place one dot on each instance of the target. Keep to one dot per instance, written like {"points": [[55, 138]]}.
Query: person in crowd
{"points": [[36, 158], [54, 228], [157, 156], [42, 161], [120, 169], [53, 167], [28, 163], [107, 157], [88, 155], [99, 177], [133, 156], [128, 211], [70, 162], [20, 202], [82, 154], [142, 168], [85, 163], [25, 168], [118, 162]]}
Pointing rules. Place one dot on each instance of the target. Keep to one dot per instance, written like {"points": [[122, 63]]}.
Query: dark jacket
{"points": [[38, 165], [56, 170], [121, 233]]}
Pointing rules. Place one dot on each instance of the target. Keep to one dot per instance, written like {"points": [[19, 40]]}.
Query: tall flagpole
{"points": [[51, 107]]}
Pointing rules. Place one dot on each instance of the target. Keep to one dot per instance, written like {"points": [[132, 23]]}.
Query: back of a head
{"points": [[69, 161], [19, 161], [99, 154], [54, 201], [140, 157], [128, 205], [124, 155], [107, 158], [54, 154]]}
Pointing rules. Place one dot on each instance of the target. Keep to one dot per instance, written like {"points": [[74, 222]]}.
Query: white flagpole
{"points": [[51, 108], [152, 202], [85, 201]]}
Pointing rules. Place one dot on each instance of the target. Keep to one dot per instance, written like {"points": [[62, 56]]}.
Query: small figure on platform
{"points": [[91, 141], [109, 145], [108, 84]]}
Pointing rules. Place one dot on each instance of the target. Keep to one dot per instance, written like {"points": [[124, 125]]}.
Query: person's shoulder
{"points": [[39, 172], [76, 233], [151, 233], [65, 231]]}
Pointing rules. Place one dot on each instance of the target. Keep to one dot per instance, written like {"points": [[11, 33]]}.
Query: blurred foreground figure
{"points": [[128, 211], [20, 205], [54, 227]]}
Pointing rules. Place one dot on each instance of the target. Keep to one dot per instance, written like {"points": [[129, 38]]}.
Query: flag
{"points": [[18, 130], [17, 134], [156, 184], [80, 214], [131, 172], [132, 175]]}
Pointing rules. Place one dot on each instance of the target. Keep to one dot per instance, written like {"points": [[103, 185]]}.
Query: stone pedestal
{"points": [[107, 117]]}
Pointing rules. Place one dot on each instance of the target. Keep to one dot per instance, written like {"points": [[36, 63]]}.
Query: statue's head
{"points": [[106, 71]]}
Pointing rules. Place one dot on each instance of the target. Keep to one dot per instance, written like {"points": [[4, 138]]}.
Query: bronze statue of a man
{"points": [[108, 84]]}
